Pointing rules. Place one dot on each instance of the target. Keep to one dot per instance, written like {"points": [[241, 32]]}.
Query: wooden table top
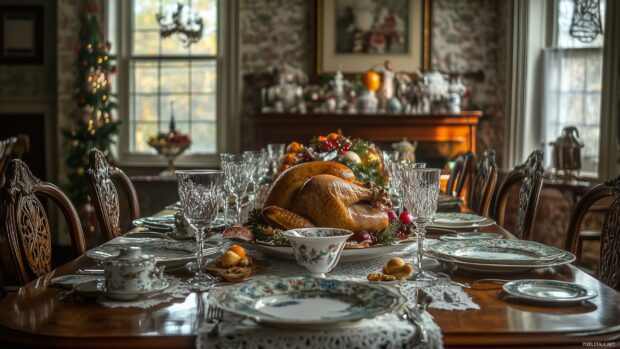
{"points": [[37, 317]]}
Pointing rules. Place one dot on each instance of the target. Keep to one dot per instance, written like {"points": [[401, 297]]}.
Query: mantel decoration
{"points": [[183, 21], [95, 125], [170, 144], [354, 34]]}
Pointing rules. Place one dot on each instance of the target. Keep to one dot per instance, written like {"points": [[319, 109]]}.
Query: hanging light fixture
{"points": [[183, 21], [586, 22]]}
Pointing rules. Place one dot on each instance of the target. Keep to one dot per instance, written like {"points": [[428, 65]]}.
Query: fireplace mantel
{"points": [[449, 133]]}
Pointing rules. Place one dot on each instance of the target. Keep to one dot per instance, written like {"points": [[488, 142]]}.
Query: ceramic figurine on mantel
{"points": [[437, 89], [455, 91], [368, 102], [287, 94], [170, 144]]}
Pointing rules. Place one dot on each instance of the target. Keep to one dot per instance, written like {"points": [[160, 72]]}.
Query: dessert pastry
{"points": [[394, 269], [235, 265]]}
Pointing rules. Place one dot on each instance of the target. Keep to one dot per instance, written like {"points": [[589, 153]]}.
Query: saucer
{"points": [[96, 288]]}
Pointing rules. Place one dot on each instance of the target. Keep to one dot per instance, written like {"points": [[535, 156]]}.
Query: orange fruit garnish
{"points": [[238, 250], [372, 80], [290, 158]]}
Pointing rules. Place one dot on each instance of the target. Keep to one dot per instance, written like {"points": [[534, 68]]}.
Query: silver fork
{"points": [[214, 316]]}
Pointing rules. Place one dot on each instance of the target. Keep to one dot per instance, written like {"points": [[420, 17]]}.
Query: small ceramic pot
{"points": [[131, 271], [318, 249]]}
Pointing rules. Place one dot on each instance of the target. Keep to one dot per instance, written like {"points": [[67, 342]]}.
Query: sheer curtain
{"points": [[572, 97]]}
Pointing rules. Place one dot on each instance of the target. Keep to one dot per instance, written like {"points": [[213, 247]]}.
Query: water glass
{"points": [[200, 192], [396, 183], [237, 170], [259, 161], [421, 190], [275, 152]]}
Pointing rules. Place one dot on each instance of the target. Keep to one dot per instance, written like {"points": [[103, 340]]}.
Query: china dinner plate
{"points": [[442, 251], [166, 224], [471, 236], [549, 291], [96, 288], [347, 255], [459, 224], [451, 218], [166, 252], [68, 281], [306, 302]]}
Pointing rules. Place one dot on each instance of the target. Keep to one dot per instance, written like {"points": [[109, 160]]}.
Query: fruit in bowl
{"points": [[170, 145]]}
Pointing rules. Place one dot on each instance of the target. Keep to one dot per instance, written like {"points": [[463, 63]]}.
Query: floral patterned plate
{"points": [[347, 255], [96, 288], [549, 291], [306, 302], [453, 220]]}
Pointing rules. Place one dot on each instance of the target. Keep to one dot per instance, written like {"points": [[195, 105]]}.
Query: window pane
{"points": [[145, 108], [208, 11], [145, 77], [144, 14], [203, 138], [146, 42], [593, 109], [175, 77], [204, 107], [573, 74], [594, 68], [181, 110], [204, 76], [142, 133]]}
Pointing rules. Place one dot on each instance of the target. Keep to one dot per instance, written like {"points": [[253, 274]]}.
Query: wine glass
{"points": [[275, 151], [258, 160], [200, 192], [421, 190], [237, 170], [396, 173]]}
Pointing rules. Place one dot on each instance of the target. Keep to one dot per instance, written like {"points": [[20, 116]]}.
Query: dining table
{"points": [[39, 315]]}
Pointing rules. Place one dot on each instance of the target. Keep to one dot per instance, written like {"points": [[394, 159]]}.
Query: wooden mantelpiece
{"points": [[451, 133]]}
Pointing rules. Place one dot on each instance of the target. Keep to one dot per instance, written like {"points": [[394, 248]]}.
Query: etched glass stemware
{"points": [[200, 192], [421, 190], [259, 164], [396, 174], [237, 170], [275, 152]]}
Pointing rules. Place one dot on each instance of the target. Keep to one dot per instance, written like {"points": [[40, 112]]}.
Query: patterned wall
{"points": [[468, 36]]}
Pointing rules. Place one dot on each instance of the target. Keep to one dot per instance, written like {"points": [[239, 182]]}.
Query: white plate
{"points": [[549, 291], [306, 302], [96, 288], [464, 225], [456, 218], [347, 255]]}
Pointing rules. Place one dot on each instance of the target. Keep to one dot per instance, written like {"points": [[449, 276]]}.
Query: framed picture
{"points": [[354, 35], [21, 34]]}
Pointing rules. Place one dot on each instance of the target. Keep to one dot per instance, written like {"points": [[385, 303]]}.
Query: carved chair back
{"points": [[461, 171], [12, 148], [609, 266], [26, 223], [485, 181], [105, 196], [530, 175]]}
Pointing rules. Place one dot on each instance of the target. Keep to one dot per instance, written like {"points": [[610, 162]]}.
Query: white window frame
{"points": [[227, 110], [531, 29]]}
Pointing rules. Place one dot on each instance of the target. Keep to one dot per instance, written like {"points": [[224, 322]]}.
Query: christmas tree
{"points": [[95, 125]]}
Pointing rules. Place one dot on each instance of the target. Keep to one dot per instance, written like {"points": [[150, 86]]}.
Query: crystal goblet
{"points": [[237, 171], [200, 192]]}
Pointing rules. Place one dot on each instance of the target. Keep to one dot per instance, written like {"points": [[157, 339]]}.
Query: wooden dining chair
{"points": [[12, 148], [530, 176], [105, 196], [485, 181], [461, 171], [26, 223], [609, 266]]}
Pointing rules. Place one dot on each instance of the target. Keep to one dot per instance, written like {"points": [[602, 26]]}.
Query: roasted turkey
{"points": [[325, 194]]}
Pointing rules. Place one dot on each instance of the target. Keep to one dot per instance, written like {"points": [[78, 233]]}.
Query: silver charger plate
{"points": [[166, 252], [549, 291], [96, 288], [306, 302]]}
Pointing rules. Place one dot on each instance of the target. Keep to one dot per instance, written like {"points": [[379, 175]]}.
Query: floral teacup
{"points": [[318, 249], [131, 271]]}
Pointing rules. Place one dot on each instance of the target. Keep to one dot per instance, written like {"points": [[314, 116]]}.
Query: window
{"points": [[159, 77], [573, 85]]}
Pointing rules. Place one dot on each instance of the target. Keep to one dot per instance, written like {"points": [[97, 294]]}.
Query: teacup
{"points": [[131, 271], [318, 249]]}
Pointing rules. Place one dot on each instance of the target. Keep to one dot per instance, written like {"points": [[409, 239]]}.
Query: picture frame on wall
{"points": [[355, 35], [21, 34]]}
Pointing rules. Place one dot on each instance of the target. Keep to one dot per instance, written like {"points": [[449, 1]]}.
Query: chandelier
{"points": [[586, 23], [183, 21]]}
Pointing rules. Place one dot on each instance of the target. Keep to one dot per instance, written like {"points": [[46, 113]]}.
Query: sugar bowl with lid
{"points": [[131, 271]]}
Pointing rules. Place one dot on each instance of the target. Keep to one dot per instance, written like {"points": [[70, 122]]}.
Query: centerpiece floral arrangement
{"points": [[362, 157]]}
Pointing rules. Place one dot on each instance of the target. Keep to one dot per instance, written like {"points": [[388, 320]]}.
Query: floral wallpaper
{"points": [[467, 37]]}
